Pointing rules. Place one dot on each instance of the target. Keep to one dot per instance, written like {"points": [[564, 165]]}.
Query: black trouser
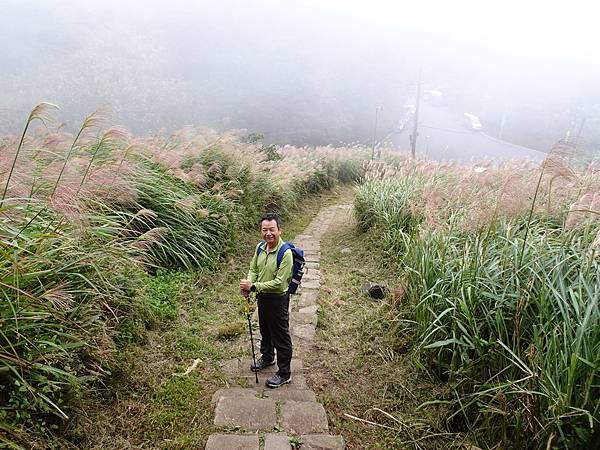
{"points": [[274, 324]]}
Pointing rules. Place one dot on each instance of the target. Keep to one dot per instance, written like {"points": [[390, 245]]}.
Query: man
{"points": [[271, 286]]}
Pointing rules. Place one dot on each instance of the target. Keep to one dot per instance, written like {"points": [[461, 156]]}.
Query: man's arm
{"points": [[282, 277]]}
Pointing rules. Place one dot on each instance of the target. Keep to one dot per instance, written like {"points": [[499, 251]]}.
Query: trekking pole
{"points": [[248, 315]]}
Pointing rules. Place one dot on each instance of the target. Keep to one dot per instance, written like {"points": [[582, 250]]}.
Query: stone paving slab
{"points": [[303, 417], [312, 266], [308, 298], [312, 257], [304, 318], [322, 442], [297, 366], [277, 441], [311, 284], [232, 442], [246, 413], [298, 381], [291, 393], [237, 392], [311, 276], [312, 309], [306, 331]]}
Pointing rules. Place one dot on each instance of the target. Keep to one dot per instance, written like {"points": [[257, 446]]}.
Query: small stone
{"points": [[232, 442], [277, 441], [303, 417], [374, 290], [345, 251]]}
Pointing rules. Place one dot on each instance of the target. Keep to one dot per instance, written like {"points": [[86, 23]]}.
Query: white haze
{"points": [[303, 71]]}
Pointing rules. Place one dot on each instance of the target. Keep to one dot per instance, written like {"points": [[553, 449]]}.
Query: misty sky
{"points": [[302, 71]]}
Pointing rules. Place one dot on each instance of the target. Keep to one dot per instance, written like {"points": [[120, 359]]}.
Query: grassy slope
{"points": [[356, 366], [151, 404]]}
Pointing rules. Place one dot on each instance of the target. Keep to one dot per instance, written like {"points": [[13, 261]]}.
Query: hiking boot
{"points": [[261, 364], [277, 380]]}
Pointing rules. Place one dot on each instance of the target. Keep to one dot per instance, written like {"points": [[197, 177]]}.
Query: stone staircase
{"points": [[253, 417]]}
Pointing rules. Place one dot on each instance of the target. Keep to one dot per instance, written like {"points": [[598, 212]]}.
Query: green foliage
{"points": [[61, 301], [270, 152], [190, 229]]}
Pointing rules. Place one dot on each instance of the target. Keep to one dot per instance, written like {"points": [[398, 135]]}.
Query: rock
{"points": [[374, 290], [345, 251]]}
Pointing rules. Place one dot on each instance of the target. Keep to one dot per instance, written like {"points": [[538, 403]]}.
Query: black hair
{"points": [[271, 216]]}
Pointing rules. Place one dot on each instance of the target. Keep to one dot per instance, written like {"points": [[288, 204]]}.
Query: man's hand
{"points": [[245, 285]]}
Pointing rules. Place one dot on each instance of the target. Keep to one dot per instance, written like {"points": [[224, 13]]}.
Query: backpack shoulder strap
{"points": [[285, 247], [259, 247]]}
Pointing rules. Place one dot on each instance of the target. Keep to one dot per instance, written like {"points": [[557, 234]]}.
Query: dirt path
{"points": [[257, 418]]}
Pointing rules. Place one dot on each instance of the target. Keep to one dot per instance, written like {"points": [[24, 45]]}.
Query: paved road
{"points": [[442, 136]]}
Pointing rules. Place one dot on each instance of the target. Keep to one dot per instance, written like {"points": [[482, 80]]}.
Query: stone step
{"points": [[304, 331], [241, 366], [303, 417], [313, 275], [235, 392], [247, 413], [310, 284], [277, 441], [232, 442], [300, 318], [321, 442], [288, 392], [249, 380], [312, 266], [307, 298]]}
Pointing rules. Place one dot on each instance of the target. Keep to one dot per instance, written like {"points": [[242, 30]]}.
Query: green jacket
{"points": [[264, 274]]}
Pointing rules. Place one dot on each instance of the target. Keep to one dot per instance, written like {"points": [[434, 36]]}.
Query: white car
{"points": [[472, 122]]}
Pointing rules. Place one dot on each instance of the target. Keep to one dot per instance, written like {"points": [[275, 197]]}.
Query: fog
{"points": [[304, 72]]}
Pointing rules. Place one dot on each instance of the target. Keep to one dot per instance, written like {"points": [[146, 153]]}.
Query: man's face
{"points": [[270, 232]]}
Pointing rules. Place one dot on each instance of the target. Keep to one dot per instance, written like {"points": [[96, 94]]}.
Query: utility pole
{"points": [[580, 131], [377, 109], [415, 133], [503, 122]]}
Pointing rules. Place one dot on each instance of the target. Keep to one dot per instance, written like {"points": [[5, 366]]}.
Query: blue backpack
{"points": [[297, 267]]}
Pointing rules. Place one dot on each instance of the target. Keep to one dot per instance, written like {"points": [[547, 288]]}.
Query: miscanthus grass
{"points": [[503, 300], [85, 222]]}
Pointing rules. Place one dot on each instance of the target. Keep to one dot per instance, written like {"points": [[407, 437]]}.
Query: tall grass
{"points": [[507, 311], [84, 219]]}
